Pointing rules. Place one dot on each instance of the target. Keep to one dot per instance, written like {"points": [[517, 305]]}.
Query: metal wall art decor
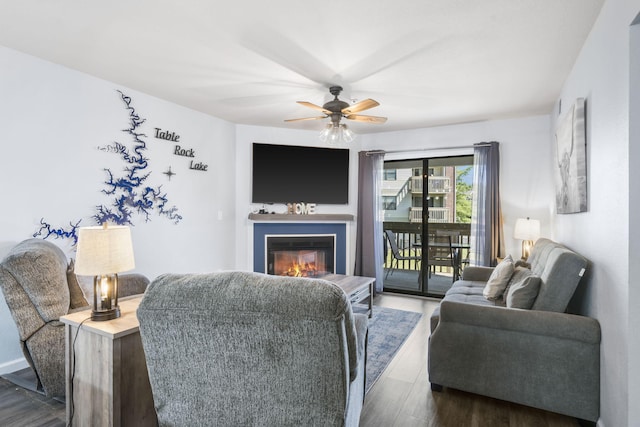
{"points": [[130, 193], [47, 231], [180, 150], [571, 161], [169, 173]]}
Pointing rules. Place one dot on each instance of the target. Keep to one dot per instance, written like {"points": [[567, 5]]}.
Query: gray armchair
{"points": [[39, 286], [242, 349]]}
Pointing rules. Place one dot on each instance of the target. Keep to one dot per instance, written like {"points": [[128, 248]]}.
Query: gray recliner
{"points": [[243, 349], [39, 286]]}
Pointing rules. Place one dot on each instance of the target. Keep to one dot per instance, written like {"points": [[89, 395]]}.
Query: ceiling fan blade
{"points": [[306, 118], [314, 106], [360, 106], [368, 119]]}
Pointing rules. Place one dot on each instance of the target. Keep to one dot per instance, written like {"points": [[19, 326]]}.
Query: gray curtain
{"points": [[369, 239], [487, 239]]}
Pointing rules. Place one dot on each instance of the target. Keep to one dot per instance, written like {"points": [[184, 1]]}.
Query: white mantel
{"points": [[295, 218]]}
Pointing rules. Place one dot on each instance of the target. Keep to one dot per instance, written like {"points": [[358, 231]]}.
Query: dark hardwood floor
{"points": [[401, 397], [20, 407]]}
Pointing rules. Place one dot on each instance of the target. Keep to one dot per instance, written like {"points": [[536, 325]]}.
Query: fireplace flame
{"points": [[307, 269]]}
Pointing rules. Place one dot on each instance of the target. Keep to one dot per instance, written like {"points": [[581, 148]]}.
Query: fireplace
{"points": [[310, 240], [300, 255]]}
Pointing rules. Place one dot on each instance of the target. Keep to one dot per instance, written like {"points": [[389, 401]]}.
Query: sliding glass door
{"points": [[427, 218]]}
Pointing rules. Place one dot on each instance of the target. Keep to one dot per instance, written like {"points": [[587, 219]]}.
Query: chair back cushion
{"points": [[240, 348], [33, 277]]}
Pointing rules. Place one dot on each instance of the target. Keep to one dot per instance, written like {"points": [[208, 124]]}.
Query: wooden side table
{"points": [[107, 380]]}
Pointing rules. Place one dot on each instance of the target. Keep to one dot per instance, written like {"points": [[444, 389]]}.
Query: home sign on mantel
{"points": [[301, 208], [180, 150]]}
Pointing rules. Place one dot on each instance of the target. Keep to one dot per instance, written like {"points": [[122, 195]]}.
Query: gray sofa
{"points": [[248, 349], [540, 357], [39, 286]]}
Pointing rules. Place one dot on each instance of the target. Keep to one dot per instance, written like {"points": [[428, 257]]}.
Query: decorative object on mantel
{"points": [[301, 208], [336, 109], [571, 175], [129, 190], [103, 252], [527, 230]]}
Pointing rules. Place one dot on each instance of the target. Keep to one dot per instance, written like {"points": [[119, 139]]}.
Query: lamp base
{"points": [[526, 249], [99, 316]]}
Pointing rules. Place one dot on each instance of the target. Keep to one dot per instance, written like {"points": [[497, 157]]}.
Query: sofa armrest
{"points": [[477, 274]]}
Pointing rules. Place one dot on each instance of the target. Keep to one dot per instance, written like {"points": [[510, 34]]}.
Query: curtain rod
{"points": [[481, 144]]}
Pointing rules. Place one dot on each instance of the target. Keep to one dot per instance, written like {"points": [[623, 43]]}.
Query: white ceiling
{"points": [[428, 62]]}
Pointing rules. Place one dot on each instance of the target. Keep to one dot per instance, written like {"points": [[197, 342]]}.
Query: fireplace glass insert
{"points": [[300, 255]]}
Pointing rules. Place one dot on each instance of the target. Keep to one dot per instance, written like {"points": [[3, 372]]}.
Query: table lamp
{"points": [[527, 230], [103, 252]]}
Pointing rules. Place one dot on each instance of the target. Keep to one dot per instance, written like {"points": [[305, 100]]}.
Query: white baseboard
{"points": [[13, 365]]}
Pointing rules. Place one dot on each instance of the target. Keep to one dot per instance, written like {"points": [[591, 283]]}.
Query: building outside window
{"points": [[389, 203]]}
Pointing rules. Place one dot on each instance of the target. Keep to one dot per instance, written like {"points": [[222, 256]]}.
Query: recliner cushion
{"points": [[76, 296], [40, 267]]}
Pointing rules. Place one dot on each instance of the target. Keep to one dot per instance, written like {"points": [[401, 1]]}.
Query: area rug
{"points": [[388, 330]]}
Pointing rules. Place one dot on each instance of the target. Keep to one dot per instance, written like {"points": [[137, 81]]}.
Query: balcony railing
{"points": [[437, 184], [408, 234], [435, 215]]}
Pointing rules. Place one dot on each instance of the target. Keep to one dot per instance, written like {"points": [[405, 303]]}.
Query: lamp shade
{"points": [[104, 250], [527, 229]]}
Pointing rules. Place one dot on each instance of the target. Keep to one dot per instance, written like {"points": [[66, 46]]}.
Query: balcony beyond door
{"points": [[416, 217]]}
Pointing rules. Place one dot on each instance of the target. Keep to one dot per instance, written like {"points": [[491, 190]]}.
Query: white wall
{"points": [[51, 121], [634, 224], [526, 184], [601, 75]]}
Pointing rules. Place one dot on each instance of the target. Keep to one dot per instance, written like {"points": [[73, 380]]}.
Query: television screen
{"points": [[290, 173]]}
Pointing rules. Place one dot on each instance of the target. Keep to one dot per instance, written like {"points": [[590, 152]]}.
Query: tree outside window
{"points": [[464, 195]]}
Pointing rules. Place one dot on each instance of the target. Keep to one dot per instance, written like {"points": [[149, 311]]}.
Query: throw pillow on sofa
{"points": [[499, 279], [522, 289]]}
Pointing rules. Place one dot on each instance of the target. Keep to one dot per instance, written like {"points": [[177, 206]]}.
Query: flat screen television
{"points": [[291, 174]]}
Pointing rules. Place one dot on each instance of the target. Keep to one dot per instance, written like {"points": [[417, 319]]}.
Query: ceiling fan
{"points": [[336, 110]]}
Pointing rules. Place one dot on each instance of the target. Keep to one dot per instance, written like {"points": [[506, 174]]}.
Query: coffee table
{"points": [[357, 288]]}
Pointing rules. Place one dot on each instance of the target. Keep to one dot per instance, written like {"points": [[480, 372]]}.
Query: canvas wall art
{"points": [[571, 160]]}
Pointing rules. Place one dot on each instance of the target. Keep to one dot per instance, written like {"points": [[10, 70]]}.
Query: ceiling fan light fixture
{"points": [[324, 135], [336, 110], [334, 134], [347, 134]]}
